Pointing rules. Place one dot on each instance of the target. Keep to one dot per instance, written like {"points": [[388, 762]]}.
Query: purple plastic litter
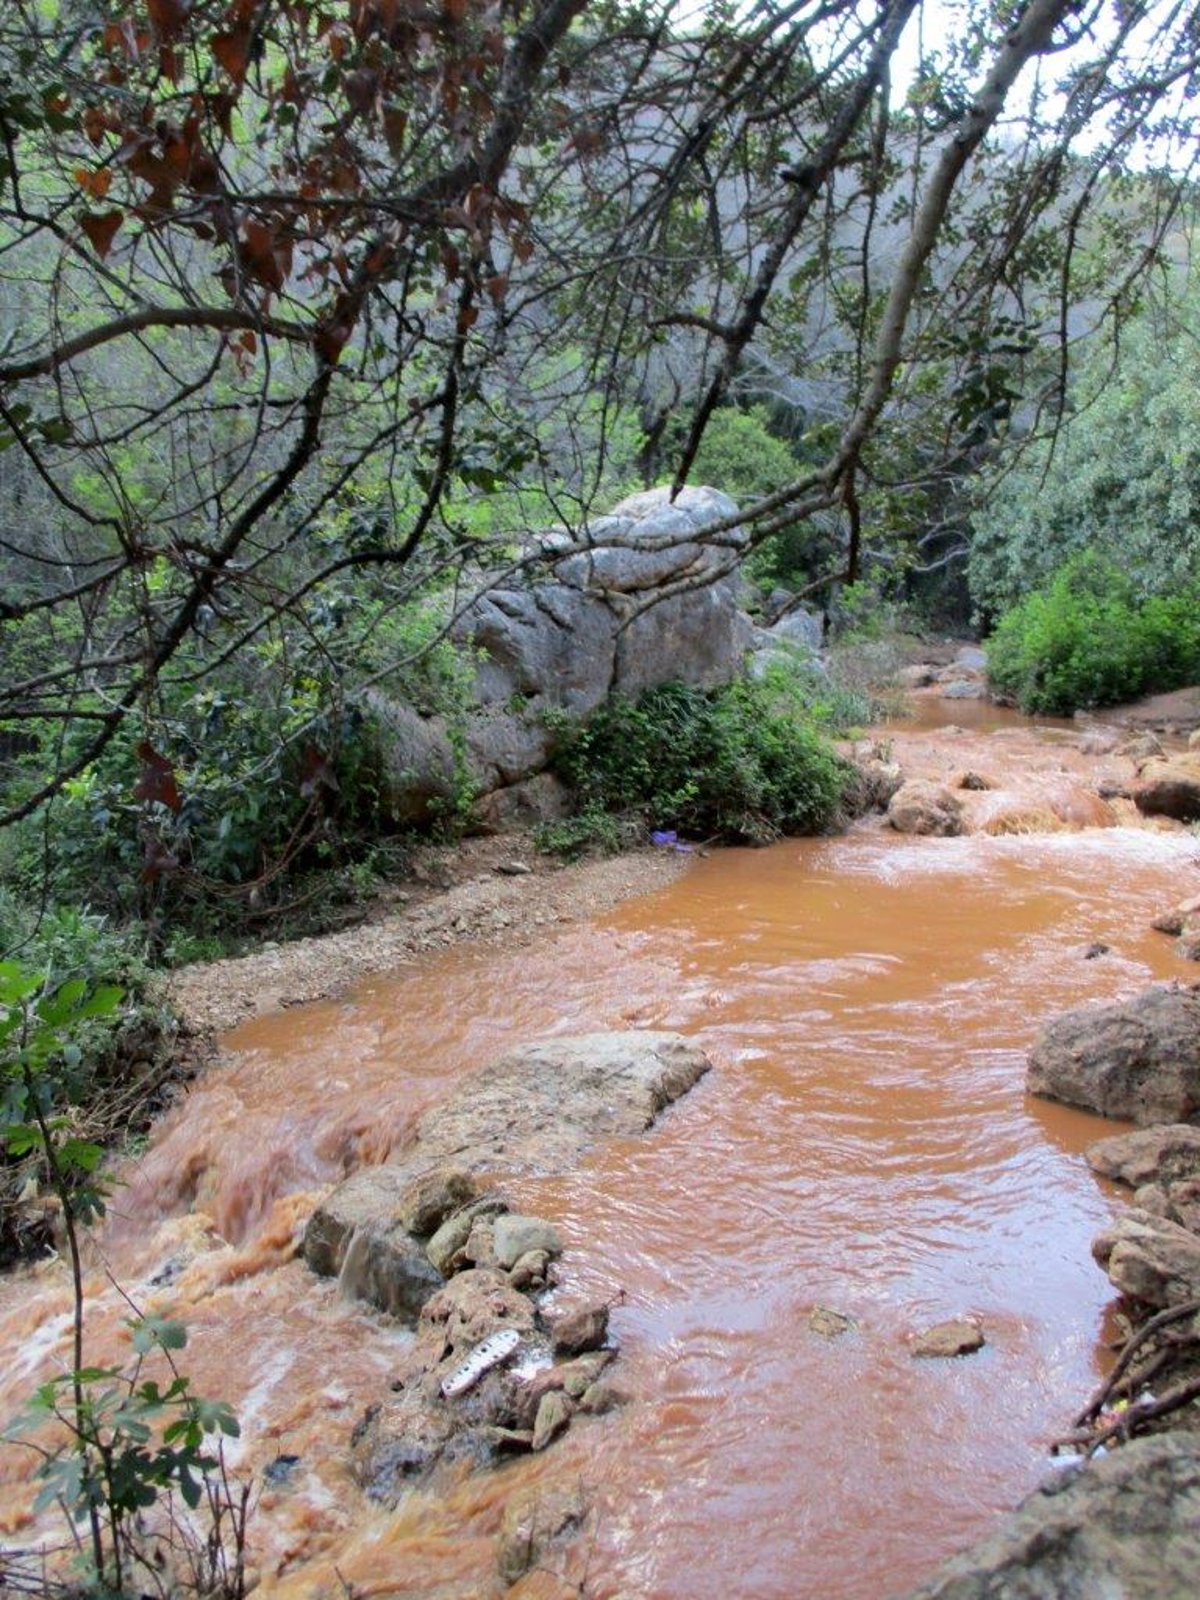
{"points": [[664, 836]]}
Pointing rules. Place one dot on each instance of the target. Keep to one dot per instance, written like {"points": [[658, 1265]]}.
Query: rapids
{"points": [[864, 1143]]}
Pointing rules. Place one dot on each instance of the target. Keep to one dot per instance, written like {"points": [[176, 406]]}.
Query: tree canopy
{"points": [[299, 291]]}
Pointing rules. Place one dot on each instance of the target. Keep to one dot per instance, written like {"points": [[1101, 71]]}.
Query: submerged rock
{"points": [[534, 1519], [1139, 1060], [830, 1324], [961, 1336], [537, 1109], [1126, 1526]]}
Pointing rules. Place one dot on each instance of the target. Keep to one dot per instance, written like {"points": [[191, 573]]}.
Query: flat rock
{"points": [[1166, 1151], [1124, 1527], [961, 1336], [538, 1109], [1139, 1060], [1150, 1258]]}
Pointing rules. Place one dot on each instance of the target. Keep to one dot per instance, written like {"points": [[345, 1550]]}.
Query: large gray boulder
{"points": [[1139, 1060], [633, 600], [583, 633], [1125, 1527]]}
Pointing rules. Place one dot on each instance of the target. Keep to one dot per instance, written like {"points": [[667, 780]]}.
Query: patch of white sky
{"points": [[932, 46]]}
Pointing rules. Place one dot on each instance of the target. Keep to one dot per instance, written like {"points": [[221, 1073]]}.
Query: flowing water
{"points": [[863, 1143]]}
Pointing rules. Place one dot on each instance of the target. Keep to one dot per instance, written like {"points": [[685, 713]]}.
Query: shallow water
{"points": [[863, 1143]]}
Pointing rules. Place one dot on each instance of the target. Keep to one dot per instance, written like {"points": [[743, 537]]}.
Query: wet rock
{"points": [[446, 1249], [1178, 1201], [1150, 1258], [514, 1236], [1138, 1060], [542, 1106], [920, 806], [1142, 747], [1126, 1526], [431, 1198], [601, 1397], [554, 1414], [1189, 946], [575, 1332], [964, 689], [1178, 917], [473, 1304], [574, 1378], [530, 1270], [971, 780], [480, 1248], [961, 1336], [355, 1235], [972, 657], [830, 1324], [1162, 1153], [1094, 951], [873, 782], [1051, 808], [534, 1519], [1170, 787]]}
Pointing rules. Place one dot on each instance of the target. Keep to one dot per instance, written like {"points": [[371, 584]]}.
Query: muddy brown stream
{"points": [[864, 1143]]}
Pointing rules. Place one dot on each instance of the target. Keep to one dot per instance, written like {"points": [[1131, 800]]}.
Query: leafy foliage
{"points": [[1089, 639], [743, 764], [119, 1439], [1120, 474]]}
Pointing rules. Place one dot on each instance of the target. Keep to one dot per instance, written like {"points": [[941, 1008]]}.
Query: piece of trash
{"points": [[497, 1347], [668, 839], [279, 1470]]}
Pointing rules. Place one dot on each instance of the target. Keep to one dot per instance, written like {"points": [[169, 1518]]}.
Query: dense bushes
{"points": [[1119, 475], [1088, 639], [743, 764]]}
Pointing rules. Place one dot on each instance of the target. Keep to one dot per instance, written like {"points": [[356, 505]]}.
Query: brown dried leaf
{"points": [[157, 781], [168, 17], [232, 51], [101, 229]]}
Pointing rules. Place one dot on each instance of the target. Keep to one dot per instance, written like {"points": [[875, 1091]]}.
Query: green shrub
{"points": [[741, 764], [1087, 639]]}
